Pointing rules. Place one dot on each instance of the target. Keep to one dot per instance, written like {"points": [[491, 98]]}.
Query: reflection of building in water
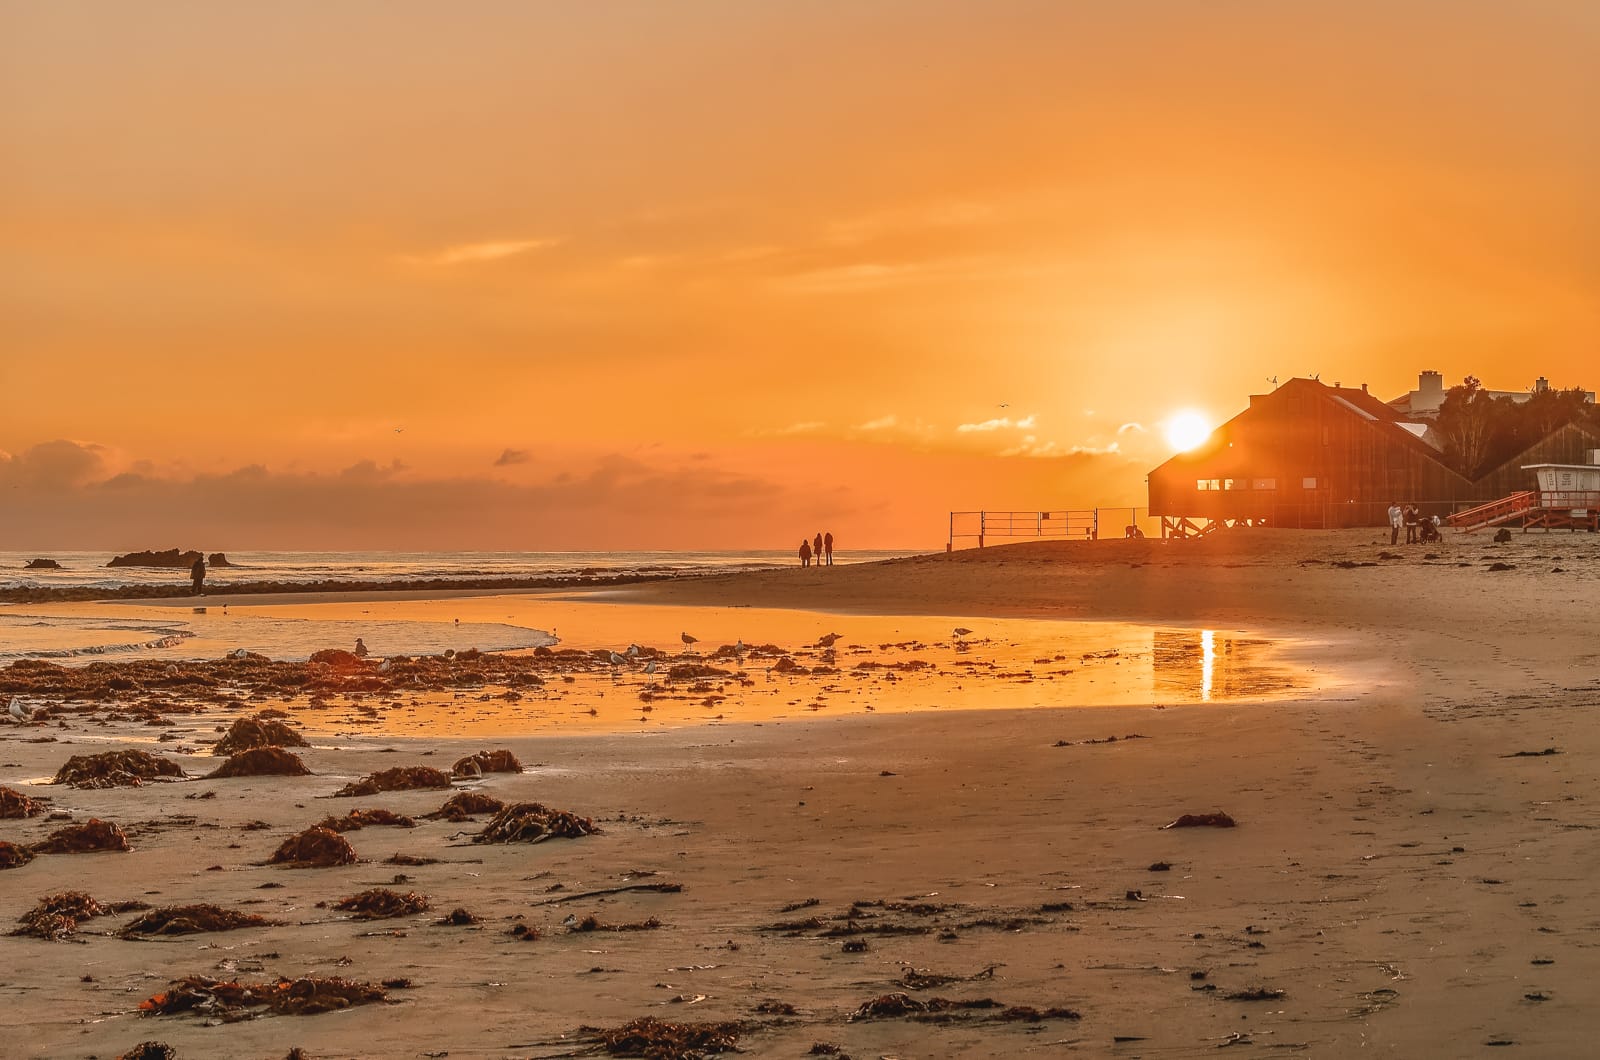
{"points": [[1202, 664]]}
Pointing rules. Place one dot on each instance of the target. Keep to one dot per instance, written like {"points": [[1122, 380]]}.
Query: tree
{"points": [[1466, 421]]}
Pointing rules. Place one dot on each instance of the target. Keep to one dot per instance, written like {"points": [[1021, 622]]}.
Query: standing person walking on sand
{"points": [[1394, 522], [1411, 517], [827, 546], [805, 553], [816, 548], [198, 573]]}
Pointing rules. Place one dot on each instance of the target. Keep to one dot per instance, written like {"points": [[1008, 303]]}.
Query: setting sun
{"points": [[1187, 429]]}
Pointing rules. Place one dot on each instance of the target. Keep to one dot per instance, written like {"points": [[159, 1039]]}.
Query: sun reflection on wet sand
{"points": [[879, 663]]}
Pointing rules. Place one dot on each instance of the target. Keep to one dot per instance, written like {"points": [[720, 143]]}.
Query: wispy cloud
{"points": [[509, 457], [1001, 423], [804, 427], [471, 253], [880, 424], [1126, 427]]}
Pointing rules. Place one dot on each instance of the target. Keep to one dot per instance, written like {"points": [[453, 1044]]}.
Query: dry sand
{"points": [[1409, 888]]}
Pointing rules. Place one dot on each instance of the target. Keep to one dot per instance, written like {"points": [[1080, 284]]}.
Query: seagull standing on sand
{"points": [[616, 660], [827, 640], [962, 631], [688, 641], [20, 710], [650, 667]]}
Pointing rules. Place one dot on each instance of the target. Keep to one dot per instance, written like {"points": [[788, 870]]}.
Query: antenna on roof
{"points": [[1317, 376], [1273, 380]]}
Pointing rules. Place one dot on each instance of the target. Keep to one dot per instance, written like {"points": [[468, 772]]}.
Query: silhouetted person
{"points": [[816, 548], [805, 553], [198, 573], [827, 546]]}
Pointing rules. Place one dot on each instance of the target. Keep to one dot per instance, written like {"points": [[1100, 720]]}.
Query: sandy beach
{"points": [[1409, 873]]}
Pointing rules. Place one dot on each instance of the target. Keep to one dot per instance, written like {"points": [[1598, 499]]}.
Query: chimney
{"points": [[1430, 382], [1363, 388], [1541, 385]]}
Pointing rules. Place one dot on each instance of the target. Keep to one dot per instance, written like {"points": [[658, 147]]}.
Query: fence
{"points": [[1074, 524]]}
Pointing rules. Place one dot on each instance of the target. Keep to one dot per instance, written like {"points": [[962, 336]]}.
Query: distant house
{"points": [[1425, 401], [1313, 455]]}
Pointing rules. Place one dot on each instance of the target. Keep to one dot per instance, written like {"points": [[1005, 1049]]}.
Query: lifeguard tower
{"points": [[1568, 496]]}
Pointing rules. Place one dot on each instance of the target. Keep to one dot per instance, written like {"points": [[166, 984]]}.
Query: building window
{"points": [[1264, 484], [1208, 484], [1308, 483]]}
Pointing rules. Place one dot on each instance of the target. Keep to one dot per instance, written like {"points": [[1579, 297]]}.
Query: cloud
{"points": [[1126, 427], [803, 427], [469, 253], [879, 424], [1002, 423], [60, 464], [509, 457]]}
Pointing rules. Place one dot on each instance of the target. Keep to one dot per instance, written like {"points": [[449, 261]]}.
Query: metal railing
{"points": [[1061, 524]]}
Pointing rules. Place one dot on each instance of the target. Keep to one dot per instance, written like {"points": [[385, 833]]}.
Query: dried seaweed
{"points": [[594, 923], [12, 856], [259, 731], [150, 1051], [487, 762], [532, 822], [230, 999], [463, 805], [400, 778], [190, 920], [315, 848], [91, 837], [897, 1004], [14, 804], [1203, 820], [660, 1040], [116, 769], [56, 916], [261, 762], [380, 904], [1259, 993], [458, 918], [356, 820]]}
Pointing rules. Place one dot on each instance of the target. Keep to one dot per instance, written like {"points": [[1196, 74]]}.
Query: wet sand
{"points": [[1409, 888]]}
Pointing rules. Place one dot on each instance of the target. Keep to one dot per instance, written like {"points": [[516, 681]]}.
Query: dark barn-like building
{"points": [[1313, 455]]}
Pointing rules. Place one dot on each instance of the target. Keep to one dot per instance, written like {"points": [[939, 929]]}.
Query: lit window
{"points": [[1264, 484], [1232, 484], [1308, 483], [1202, 484]]}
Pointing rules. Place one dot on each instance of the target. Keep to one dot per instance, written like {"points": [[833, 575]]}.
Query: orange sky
{"points": [[534, 276]]}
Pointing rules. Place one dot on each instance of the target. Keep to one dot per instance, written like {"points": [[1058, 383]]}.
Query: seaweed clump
{"points": [[259, 731], [12, 855], [400, 778], [315, 848], [487, 762], [261, 762], [57, 915], [150, 1051], [662, 1040], [91, 837], [116, 769], [190, 920], [1203, 820], [356, 820], [380, 904], [14, 804], [463, 805], [231, 999], [533, 822]]}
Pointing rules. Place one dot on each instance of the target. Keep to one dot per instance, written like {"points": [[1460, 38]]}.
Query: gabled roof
{"points": [[1570, 427]]}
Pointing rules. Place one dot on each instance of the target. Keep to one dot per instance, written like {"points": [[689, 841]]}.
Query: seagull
{"points": [[688, 640], [634, 651], [962, 631], [827, 640], [739, 647], [361, 649], [20, 710], [615, 659], [650, 667]]}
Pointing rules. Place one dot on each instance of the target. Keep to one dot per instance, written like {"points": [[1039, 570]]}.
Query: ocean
{"points": [[88, 569]]}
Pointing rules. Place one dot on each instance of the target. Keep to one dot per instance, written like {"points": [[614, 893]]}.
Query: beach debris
{"points": [[458, 917], [525, 933], [1217, 819], [662, 1040], [854, 946], [90, 837], [13, 856], [400, 778], [409, 859], [1515, 754], [776, 1008], [231, 999], [594, 923], [1160, 866], [659, 888], [150, 1051], [695, 672], [337, 658], [1029, 1014], [56, 916], [259, 731], [190, 920], [917, 979], [356, 820], [1257, 993], [1497, 567], [261, 762], [116, 769], [532, 822], [1502, 536], [14, 804], [487, 762], [381, 904], [463, 805], [889, 1006], [314, 848]]}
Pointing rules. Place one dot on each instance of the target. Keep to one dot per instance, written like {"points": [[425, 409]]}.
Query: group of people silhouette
{"points": [[820, 550]]}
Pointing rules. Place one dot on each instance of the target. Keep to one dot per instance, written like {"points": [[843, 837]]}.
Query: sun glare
{"points": [[1187, 429]]}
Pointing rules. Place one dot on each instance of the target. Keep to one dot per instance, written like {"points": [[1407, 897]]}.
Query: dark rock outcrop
{"points": [[42, 564], [218, 559], [170, 558]]}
